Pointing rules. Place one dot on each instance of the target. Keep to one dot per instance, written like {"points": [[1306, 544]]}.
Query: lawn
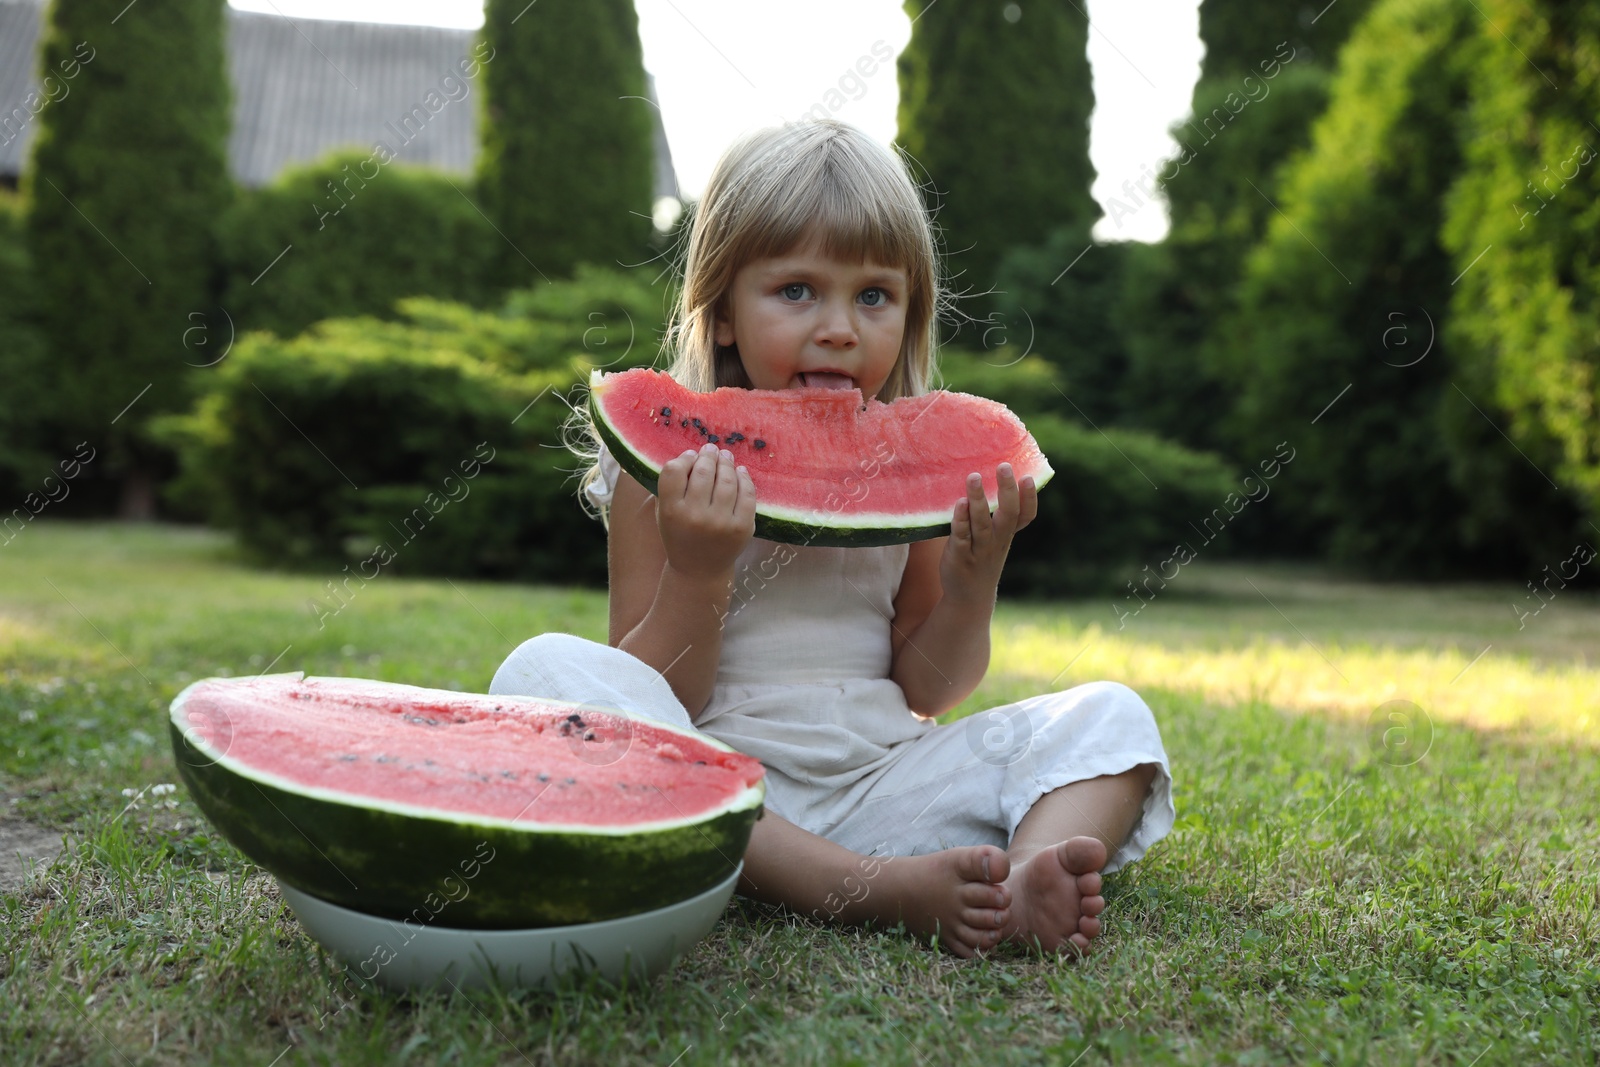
{"points": [[1387, 847]]}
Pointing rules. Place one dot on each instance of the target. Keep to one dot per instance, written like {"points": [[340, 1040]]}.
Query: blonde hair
{"points": [[773, 190]]}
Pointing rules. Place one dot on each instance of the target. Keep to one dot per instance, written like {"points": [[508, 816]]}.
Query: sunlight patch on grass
{"points": [[1494, 692]]}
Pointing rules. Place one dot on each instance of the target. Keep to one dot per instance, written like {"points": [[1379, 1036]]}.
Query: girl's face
{"points": [[804, 319]]}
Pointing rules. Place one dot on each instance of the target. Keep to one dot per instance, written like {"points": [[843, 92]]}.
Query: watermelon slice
{"points": [[489, 812], [828, 469]]}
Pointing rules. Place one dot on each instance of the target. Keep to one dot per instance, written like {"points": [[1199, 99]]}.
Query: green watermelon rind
{"points": [[400, 865], [779, 529]]}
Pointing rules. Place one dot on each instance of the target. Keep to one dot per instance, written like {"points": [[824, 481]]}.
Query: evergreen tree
{"points": [[22, 462], [1264, 80], [1524, 226], [994, 105], [127, 181], [565, 167], [1336, 347], [1239, 34]]}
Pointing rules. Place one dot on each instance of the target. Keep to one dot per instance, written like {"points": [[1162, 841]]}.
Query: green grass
{"points": [[1341, 888]]}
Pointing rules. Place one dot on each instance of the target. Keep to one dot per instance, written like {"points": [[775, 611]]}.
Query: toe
{"points": [[984, 895], [1092, 905], [1089, 926], [1083, 855], [985, 919], [957, 947], [970, 939], [986, 863], [1089, 884]]}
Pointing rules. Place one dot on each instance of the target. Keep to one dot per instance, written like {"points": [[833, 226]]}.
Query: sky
{"points": [[725, 66]]}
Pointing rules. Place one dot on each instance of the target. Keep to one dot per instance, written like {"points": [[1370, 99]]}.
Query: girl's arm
{"points": [[671, 560], [946, 599]]}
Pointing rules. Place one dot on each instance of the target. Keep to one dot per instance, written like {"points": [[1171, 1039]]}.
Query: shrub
{"points": [[1101, 518], [1026, 384], [359, 435], [1119, 500], [363, 235]]}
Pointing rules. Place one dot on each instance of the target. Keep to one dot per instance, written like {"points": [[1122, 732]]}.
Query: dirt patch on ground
{"points": [[23, 844]]}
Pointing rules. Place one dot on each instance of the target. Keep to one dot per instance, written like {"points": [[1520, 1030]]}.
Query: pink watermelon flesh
{"points": [[820, 457], [503, 758]]}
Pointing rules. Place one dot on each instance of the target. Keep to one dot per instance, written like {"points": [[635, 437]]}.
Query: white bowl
{"points": [[403, 955]]}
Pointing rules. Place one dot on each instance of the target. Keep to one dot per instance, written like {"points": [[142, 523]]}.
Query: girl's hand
{"points": [[706, 511], [976, 551]]}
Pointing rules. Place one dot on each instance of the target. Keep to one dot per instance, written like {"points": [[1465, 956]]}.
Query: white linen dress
{"points": [[803, 685]]}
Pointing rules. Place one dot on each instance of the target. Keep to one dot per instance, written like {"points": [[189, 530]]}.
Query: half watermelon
{"points": [[498, 812], [828, 468]]}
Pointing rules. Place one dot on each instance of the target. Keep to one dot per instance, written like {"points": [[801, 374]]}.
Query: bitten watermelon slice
{"points": [[827, 469], [475, 811]]}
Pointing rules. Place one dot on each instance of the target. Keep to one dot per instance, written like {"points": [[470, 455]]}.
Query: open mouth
{"points": [[827, 379]]}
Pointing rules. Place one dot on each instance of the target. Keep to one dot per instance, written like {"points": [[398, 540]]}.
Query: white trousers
{"points": [[968, 782]]}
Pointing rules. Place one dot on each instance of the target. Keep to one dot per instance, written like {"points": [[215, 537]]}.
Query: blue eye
{"points": [[787, 290], [883, 295]]}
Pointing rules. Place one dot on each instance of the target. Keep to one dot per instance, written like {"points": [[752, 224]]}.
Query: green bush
{"points": [[363, 235], [1120, 501], [431, 445], [1026, 384], [1067, 317], [1102, 518]]}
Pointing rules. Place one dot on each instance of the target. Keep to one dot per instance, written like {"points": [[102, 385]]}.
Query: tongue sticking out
{"points": [[827, 380]]}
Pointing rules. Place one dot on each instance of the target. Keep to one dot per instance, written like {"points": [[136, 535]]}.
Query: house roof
{"points": [[304, 86]]}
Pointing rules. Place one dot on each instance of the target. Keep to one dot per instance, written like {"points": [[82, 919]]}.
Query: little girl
{"points": [[811, 263]]}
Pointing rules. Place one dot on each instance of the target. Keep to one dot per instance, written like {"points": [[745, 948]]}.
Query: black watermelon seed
{"points": [[759, 443], [508, 774], [348, 759], [589, 736], [713, 438], [666, 413], [572, 781], [735, 437], [543, 777], [684, 423], [573, 718]]}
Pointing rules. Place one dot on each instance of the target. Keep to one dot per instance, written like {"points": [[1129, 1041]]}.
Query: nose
{"points": [[837, 326]]}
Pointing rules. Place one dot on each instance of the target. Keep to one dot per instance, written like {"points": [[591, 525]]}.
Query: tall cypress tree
{"points": [[1524, 225], [1341, 343], [565, 168], [1264, 80], [127, 180], [994, 104], [1238, 34]]}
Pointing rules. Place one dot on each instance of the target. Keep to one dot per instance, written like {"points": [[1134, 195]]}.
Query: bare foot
{"points": [[959, 892], [1055, 896]]}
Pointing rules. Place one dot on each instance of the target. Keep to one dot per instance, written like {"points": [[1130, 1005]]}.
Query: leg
{"points": [[1058, 850], [958, 892], [1104, 807]]}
